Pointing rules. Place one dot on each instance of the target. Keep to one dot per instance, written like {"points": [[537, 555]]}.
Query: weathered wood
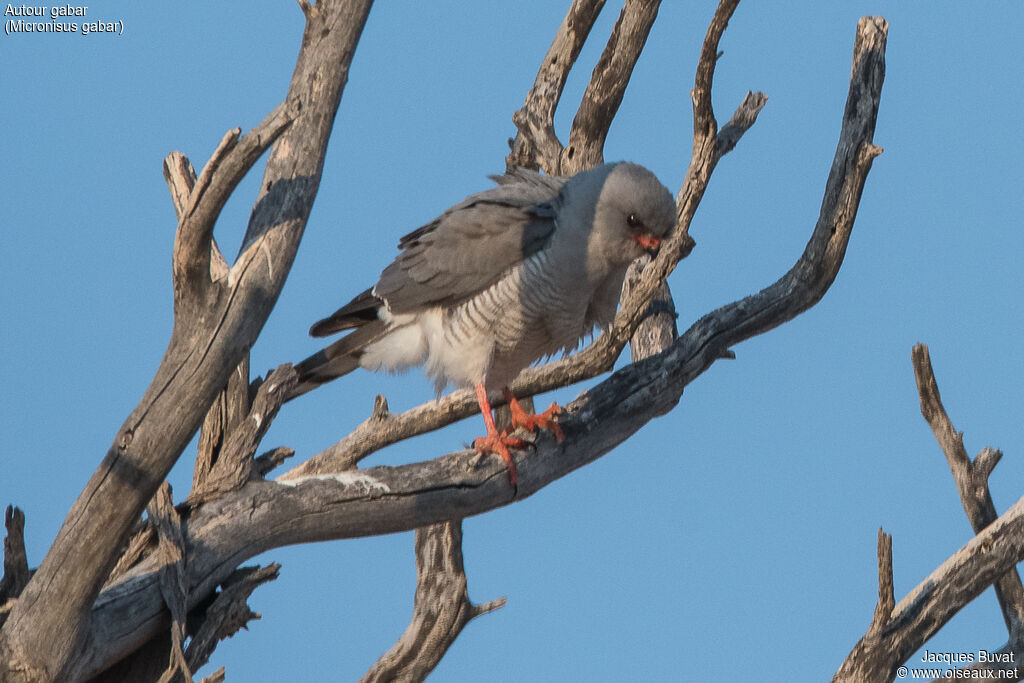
{"points": [[265, 462], [441, 608], [536, 145], [657, 330], [607, 85], [47, 635], [181, 179], [228, 612], [235, 464], [228, 411], [16, 572], [937, 599], [971, 477], [298, 509], [227, 166], [145, 665], [906, 627], [142, 541], [171, 555]]}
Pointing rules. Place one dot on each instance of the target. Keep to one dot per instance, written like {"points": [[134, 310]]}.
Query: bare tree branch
{"points": [[886, 599], [955, 583], [48, 632], [172, 579], [181, 178], [228, 411], [16, 572], [265, 462], [742, 119], [343, 504], [703, 160], [607, 85], [441, 610], [971, 481], [216, 677], [536, 144], [227, 166], [229, 612], [896, 634], [657, 330], [218, 617], [235, 464]]}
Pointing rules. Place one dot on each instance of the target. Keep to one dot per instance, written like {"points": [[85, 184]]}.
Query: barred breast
{"points": [[533, 312]]}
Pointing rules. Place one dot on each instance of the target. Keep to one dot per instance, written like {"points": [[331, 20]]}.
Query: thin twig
{"points": [[886, 598]]}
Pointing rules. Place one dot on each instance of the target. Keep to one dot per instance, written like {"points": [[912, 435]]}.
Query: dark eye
{"points": [[634, 222]]}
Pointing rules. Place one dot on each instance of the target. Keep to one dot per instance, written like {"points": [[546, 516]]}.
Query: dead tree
{"points": [[119, 596], [896, 630]]}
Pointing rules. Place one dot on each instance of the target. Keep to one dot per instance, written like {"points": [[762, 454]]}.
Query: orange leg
{"points": [[495, 442], [520, 418]]}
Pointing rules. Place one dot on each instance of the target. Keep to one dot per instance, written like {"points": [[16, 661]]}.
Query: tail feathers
{"points": [[340, 358], [356, 313]]}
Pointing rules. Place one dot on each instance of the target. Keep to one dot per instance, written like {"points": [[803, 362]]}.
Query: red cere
{"points": [[647, 241]]}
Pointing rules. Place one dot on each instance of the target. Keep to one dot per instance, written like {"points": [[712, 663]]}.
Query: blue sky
{"points": [[734, 535]]}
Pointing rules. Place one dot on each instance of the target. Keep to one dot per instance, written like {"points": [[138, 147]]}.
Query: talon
{"points": [[499, 444], [544, 420]]}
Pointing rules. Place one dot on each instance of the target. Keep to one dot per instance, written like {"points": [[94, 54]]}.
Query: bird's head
{"points": [[633, 213]]}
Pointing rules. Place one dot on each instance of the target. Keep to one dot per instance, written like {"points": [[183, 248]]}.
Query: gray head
{"points": [[632, 211]]}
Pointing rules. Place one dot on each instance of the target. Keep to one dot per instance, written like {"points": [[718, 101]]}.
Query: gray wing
{"points": [[471, 245]]}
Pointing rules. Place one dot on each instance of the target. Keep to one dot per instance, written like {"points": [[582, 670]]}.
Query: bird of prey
{"points": [[504, 278]]}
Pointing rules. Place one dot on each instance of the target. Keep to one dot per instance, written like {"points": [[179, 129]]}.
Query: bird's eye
{"points": [[634, 222]]}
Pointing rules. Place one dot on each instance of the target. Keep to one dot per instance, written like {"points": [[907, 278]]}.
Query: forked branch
{"points": [[227, 166], [971, 477], [536, 145], [990, 557]]}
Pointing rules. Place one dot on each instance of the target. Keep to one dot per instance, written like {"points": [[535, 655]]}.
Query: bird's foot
{"points": [[499, 444], [544, 420]]}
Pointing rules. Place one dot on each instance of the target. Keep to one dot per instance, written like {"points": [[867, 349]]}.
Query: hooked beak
{"points": [[648, 242]]}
